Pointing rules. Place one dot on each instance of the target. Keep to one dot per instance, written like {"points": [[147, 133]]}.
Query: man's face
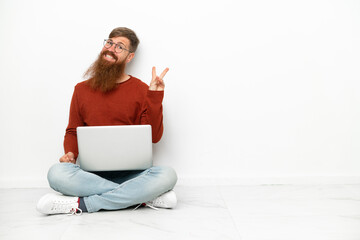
{"points": [[110, 65], [113, 55]]}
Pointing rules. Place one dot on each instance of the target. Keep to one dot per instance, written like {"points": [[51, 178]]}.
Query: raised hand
{"points": [[157, 82]]}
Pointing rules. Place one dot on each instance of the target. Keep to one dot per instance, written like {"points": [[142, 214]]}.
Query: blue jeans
{"points": [[111, 190]]}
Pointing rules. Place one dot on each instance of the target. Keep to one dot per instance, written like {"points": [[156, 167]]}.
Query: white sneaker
{"points": [[166, 200], [53, 203]]}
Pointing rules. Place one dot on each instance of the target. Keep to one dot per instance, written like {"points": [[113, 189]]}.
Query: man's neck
{"points": [[124, 77]]}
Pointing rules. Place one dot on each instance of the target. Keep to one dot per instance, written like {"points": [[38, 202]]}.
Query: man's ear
{"points": [[130, 57]]}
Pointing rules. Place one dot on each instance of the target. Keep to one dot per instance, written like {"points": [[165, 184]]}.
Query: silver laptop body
{"points": [[114, 148]]}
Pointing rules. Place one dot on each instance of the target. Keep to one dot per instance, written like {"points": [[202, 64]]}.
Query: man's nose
{"points": [[112, 48]]}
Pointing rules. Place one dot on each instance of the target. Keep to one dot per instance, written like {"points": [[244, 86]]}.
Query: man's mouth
{"points": [[110, 56]]}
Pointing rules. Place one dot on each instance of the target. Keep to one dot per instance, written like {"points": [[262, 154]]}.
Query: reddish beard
{"points": [[104, 74]]}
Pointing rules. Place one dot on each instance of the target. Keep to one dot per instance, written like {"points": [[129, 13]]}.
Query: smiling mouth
{"points": [[110, 56]]}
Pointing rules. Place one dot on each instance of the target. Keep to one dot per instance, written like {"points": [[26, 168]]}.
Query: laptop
{"points": [[114, 148]]}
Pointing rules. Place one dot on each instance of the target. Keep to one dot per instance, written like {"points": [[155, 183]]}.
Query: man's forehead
{"points": [[121, 40]]}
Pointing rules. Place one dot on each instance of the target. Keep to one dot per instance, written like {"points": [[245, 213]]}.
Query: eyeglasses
{"points": [[118, 48]]}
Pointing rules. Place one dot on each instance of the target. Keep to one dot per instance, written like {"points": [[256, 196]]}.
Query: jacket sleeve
{"points": [[75, 120], [152, 113]]}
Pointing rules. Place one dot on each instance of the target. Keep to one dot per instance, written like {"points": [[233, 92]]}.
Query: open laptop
{"points": [[114, 148]]}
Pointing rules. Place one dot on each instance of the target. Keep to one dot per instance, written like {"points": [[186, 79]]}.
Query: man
{"points": [[111, 97]]}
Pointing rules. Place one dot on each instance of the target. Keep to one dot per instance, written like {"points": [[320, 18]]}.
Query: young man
{"points": [[111, 97]]}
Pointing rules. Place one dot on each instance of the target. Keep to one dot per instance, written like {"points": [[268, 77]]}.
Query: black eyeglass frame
{"points": [[117, 46]]}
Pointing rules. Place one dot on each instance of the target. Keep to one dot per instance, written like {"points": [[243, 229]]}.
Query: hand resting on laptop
{"points": [[68, 157]]}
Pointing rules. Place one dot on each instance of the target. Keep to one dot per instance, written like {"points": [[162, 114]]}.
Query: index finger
{"points": [[164, 73], [153, 72]]}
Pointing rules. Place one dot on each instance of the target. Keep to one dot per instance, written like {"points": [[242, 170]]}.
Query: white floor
{"points": [[278, 212]]}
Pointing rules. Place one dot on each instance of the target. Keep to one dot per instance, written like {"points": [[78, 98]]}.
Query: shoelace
{"points": [[75, 211], [146, 205], [63, 207]]}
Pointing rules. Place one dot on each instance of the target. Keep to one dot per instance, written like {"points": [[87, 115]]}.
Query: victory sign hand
{"points": [[157, 82]]}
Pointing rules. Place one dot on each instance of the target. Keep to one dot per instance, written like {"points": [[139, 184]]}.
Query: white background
{"points": [[257, 92]]}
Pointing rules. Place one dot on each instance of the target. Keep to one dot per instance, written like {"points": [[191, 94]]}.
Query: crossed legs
{"points": [[111, 190]]}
